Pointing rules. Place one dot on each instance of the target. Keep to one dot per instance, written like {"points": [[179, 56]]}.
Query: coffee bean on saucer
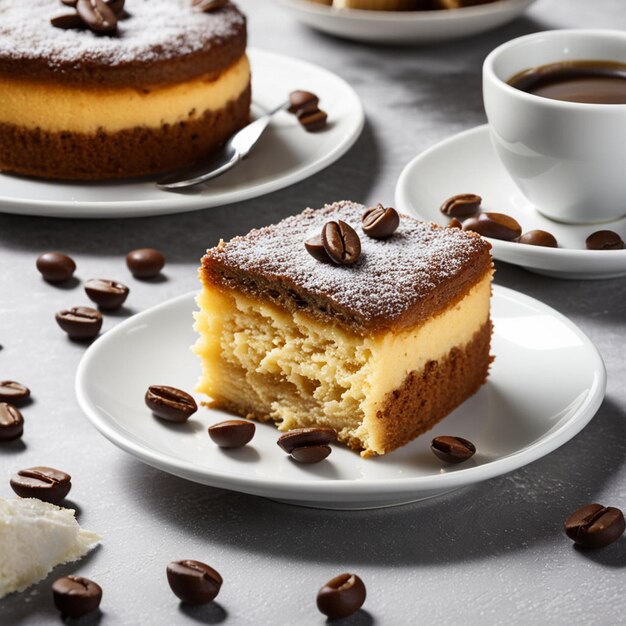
{"points": [[80, 322], [193, 582], [604, 240], [310, 454], [461, 205], [452, 449], [312, 121], [45, 483], [341, 596], [315, 247], [76, 596], [11, 422], [341, 242], [56, 267], [494, 225], [454, 223], [595, 526], [170, 403], [232, 433], [145, 262], [13, 392], [107, 294], [380, 222], [538, 238], [302, 101], [299, 437]]}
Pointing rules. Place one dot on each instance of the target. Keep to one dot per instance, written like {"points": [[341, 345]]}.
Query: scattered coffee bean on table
{"points": [[461, 205], [380, 222], [45, 483], [80, 322], [56, 267], [312, 121], [604, 240], [341, 242], [193, 582], [538, 238], [302, 101], [145, 262], [595, 526], [494, 225], [299, 437], [11, 422], [341, 596], [452, 449], [13, 392], [109, 295], [310, 454], [76, 596], [170, 403], [232, 433], [315, 248]]}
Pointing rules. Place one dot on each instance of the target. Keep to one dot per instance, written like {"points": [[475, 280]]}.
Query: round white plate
{"points": [[546, 383], [467, 163], [405, 27], [285, 154]]}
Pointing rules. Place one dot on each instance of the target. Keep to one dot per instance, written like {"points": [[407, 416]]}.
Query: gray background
{"points": [[492, 553]]}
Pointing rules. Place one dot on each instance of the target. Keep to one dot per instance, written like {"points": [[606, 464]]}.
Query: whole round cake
{"points": [[98, 89]]}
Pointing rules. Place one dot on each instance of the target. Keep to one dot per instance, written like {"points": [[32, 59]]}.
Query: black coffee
{"points": [[592, 82]]}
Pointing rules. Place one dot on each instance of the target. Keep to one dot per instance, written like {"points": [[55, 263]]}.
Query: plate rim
{"points": [[333, 488]]}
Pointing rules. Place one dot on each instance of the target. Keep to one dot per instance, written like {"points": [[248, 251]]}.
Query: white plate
{"points": [[546, 383], [286, 154], [467, 163], [406, 27]]}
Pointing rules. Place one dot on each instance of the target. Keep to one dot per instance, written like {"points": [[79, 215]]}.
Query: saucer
{"points": [[522, 413], [467, 163]]}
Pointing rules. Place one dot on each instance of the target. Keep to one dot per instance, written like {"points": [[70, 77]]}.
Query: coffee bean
{"points": [[169, 403], [80, 322], [380, 222], [13, 392], [76, 596], [341, 596], [11, 422], [315, 247], [232, 433], [341, 243], [452, 449], [312, 121], [193, 582], [595, 526], [310, 454], [210, 5], [302, 101], [299, 437], [604, 240], [454, 223], [494, 225], [462, 205], [117, 6], [56, 267], [97, 16], [67, 22], [45, 483], [145, 262], [107, 294], [538, 238], [70, 3]]}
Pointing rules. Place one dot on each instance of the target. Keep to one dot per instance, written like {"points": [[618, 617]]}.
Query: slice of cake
{"points": [[379, 350]]}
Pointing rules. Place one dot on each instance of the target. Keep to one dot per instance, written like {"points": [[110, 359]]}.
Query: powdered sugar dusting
{"points": [[390, 276], [156, 30]]}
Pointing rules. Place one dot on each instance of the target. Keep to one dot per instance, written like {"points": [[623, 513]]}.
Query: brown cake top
{"points": [[397, 282], [161, 42]]}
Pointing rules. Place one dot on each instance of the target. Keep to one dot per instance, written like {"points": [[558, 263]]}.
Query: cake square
{"points": [[380, 350]]}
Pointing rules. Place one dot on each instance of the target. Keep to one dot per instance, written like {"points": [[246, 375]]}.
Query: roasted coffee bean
{"points": [[70, 3], [117, 6], [452, 449], [145, 262], [11, 422], [454, 223], [302, 101], [97, 16], [604, 240], [310, 454], [67, 22], [210, 5], [312, 121], [538, 238], [300, 437], [107, 294], [169, 403], [56, 267], [76, 596], [341, 243], [462, 205], [45, 483], [13, 392], [193, 582], [380, 222], [494, 225], [341, 596], [232, 433], [315, 247], [595, 526], [80, 322]]}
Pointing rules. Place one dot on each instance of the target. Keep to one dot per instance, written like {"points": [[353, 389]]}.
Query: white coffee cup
{"points": [[567, 158]]}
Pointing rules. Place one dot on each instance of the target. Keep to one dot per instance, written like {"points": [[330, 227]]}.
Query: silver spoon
{"points": [[234, 150]]}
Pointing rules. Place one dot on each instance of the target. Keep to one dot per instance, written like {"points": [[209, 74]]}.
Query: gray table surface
{"points": [[492, 553]]}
